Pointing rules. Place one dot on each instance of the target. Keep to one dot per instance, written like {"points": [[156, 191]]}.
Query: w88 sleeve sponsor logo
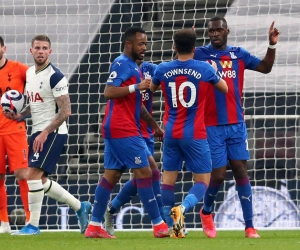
{"points": [[227, 74]]}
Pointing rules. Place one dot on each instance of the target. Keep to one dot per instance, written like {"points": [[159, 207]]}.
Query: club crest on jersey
{"points": [[137, 160], [232, 55]]}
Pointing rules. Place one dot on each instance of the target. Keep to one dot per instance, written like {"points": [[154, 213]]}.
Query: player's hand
{"points": [[273, 34], [11, 115], [159, 133], [39, 141], [143, 85]]}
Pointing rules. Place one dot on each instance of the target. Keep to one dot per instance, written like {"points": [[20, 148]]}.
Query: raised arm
{"points": [[267, 62]]}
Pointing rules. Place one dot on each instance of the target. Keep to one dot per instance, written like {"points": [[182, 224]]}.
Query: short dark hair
{"points": [[218, 18], [131, 31], [185, 41], [1, 41], [43, 38]]}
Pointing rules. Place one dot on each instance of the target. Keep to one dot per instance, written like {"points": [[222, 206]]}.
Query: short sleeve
{"points": [[251, 61], [59, 84], [119, 72], [211, 75], [156, 76], [23, 68]]}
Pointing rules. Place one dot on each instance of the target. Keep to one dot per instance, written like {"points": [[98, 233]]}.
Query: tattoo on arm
{"points": [[26, 111], [64, 111], [148, 118]]}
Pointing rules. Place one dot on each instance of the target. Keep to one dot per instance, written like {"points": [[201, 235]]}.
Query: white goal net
{"points": [[86, 37]]}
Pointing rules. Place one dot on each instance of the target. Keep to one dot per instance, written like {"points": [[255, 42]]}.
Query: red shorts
{"points": [[15, 147]]}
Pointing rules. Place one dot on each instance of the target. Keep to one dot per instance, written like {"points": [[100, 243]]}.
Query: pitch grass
{"points": [[231, 240]]}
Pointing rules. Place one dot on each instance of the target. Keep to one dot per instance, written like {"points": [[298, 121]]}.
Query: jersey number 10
{"points": [[180, 97]]}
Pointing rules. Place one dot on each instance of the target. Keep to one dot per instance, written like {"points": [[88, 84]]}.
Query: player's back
{"points": [[220, 108], [184, 85], [122, 115], [13, 76], [42, 88]]}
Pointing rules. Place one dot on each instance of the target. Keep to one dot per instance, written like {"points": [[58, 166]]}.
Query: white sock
{"points": [[4, 224], [97, 224], [35, 200], [57, 192]]}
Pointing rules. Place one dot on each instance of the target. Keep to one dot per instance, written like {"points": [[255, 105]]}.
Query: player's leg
{"points": [[4, 227], [172, 162], [143, 178], [17, 153], [114, 165], [198, 160], [238, 154], [216, 136]]}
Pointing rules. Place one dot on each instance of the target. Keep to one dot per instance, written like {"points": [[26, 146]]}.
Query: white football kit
{"points": [[42, 88]]}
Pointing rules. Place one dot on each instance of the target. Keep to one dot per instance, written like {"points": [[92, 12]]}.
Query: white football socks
{"points": [[57, 192], [35, 200]]}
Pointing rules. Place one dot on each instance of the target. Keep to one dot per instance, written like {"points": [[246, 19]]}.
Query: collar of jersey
{"points": [[43, 68]]}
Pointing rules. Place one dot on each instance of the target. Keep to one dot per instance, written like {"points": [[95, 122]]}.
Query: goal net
{"points": [[86, 38]]}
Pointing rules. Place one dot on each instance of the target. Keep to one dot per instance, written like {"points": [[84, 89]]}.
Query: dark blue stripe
{"points": [[56, 77]]}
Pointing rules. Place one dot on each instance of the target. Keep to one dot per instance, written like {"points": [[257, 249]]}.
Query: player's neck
{"points": [[2, 62], [128, 55], [40, 67], [224, 47], [185, 57]]}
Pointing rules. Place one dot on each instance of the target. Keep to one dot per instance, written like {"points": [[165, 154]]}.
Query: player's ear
{"points": [[194, 49], [175, 48], [50, 51], [30, 50], [228, 31]]}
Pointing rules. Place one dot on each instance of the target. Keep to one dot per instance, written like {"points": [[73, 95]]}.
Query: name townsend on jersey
{"points": [[175, 72]]}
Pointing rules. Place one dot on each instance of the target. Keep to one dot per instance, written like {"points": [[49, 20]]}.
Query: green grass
{"points": [[231, 240]]}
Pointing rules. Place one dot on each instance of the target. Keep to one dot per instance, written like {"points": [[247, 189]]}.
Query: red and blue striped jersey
{"points": [[147, 98], [227, 108], [184, 86], [122, 115]]}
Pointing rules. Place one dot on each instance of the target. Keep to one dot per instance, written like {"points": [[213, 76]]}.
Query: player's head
{"points": [[185, 41], [2, 48], [135, 42], [218, 32], [40, 49]]}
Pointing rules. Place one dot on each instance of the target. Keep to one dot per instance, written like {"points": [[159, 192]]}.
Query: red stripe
{"points": [[199, 127], [211, 115], [230, 97], [181, 111], [104, 119], [167, 107]]}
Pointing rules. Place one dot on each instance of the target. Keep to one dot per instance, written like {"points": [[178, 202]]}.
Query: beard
{"points": [[136, 56]]}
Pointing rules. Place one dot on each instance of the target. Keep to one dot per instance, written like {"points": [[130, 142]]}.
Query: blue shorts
{"points": [[150, 144], [130, 152], [195, 153], [227, 142], [47, 159]]}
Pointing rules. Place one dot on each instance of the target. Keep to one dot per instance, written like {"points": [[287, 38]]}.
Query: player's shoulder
{"points": [[123, 60], [55, 71], [236, 49]]}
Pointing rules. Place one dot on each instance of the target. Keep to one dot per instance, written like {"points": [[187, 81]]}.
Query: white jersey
{"points": [[41, 89]]}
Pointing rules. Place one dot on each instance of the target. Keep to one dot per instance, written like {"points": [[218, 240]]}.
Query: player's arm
{"points": [[64, 111], [114, 92], [151, 122], [266, 64], [221, 86]]}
